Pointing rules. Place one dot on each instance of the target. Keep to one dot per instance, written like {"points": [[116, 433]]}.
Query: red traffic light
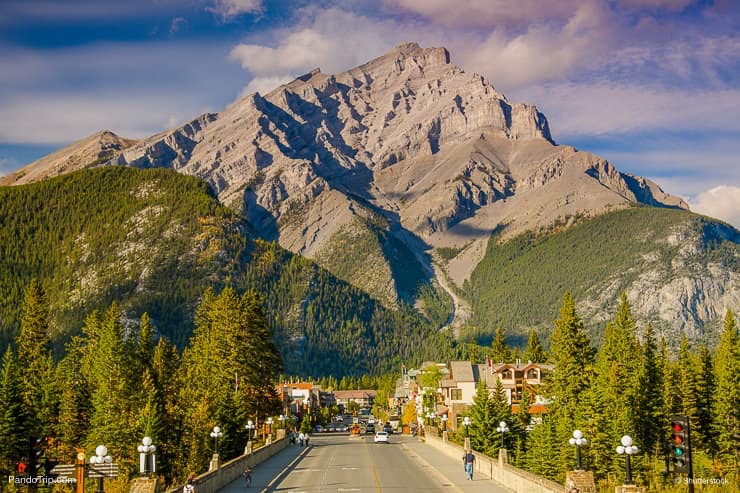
{"points": [[678, 427]]}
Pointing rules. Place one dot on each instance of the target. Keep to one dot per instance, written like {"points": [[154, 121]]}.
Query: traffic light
{"points": [[680, 444], [35, 451]]}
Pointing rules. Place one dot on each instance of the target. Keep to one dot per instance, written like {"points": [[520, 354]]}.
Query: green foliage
{"points": [[13, 415], [534, 352], [500, 351], [519, 281], [154, 240], [726, 416]]}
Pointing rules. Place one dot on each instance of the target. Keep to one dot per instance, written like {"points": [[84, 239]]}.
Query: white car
{"points": [[381, 436]]}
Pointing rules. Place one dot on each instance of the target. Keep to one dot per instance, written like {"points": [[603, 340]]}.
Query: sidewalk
{"points": [[267, 472], [451, 471]]}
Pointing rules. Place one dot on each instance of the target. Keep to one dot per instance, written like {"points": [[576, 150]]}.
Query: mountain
{"points": [[154, 240], [86, 153], [394, 175]]}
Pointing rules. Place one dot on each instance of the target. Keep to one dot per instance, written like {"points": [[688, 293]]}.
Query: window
{"points": [[533, 374], [506, 374], [456, 394]]}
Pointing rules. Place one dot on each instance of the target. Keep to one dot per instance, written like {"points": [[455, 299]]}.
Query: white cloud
{"points": [[228, 9], [332, 40], [722, 202], [486, 13], [576, 109]]}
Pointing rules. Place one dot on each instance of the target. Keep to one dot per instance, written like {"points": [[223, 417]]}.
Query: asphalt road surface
{"points": [[338, 463]]}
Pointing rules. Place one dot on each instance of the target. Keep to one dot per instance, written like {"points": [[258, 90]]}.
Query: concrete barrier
{"points": [[213, 481], [511, 477]]}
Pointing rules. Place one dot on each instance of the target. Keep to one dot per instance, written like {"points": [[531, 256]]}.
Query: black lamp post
{"points": [[628, 450], [502, 428], [578, 440]]}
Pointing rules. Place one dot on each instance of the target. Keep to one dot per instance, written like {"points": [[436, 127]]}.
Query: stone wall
{"points": [[213, 481], [513, 478]]}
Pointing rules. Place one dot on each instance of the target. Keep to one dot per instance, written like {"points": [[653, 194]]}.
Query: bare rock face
{"points": [[94, 150]]}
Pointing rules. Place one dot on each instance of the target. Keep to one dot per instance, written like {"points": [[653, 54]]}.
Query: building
{"points": [[364, 398], [456, 392]]}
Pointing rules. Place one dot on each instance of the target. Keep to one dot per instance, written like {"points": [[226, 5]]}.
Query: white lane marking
{"points": [[349, 468], [348, 489]]}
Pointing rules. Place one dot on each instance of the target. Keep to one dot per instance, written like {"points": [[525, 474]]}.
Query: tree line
{"points": [[118, 383], [631, 385]]}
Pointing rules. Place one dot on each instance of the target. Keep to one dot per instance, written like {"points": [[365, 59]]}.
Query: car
{"points": [[370, 428], [388, 429], [342, 429], [381, 437]]}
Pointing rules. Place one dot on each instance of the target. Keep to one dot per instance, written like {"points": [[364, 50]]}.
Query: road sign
{"points": [[97, 471], [66, 470], [102, 471]]}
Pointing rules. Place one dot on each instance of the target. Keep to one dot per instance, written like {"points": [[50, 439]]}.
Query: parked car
{"points": [[381, 436], [388, 429], [370, 428], [319, 429]]}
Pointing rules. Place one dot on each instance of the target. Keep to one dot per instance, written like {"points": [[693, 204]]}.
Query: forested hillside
{"points": [[657, 255], [154, 240]]}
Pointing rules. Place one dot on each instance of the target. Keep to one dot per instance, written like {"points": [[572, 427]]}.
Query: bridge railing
{"points": [[215, 480], [499, 470]]}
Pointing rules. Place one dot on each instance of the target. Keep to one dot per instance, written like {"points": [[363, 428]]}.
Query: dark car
{"points": [[388, 429], [370, 428]]}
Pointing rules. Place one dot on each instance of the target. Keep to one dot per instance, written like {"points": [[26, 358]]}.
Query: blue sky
{"points": [[651, 85]]}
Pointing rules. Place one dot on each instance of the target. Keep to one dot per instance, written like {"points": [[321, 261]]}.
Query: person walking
{"points": [[189, 486], [301, 437], [248, 476], [469, 461]]}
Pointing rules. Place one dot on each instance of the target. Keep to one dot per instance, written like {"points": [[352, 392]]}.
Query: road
{"points": [[338, 463]]}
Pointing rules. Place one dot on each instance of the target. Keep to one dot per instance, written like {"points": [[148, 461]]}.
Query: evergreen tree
{"points": [[542, 455], [726, 418], [649, 404], [483, 415], [616, 382], [687, 391], [705, 387], [572, 357], [40, 394], [500, 351], [13, 416], [228, 370], [534, 352]]}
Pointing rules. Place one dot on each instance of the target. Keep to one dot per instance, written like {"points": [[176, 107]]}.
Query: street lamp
{"points": [[502, 428], [249, 426], [101, 457], [466, 423], [216, 434], [269, 423], [146, 450], [282, 419], [627, 449], [578, 440]]}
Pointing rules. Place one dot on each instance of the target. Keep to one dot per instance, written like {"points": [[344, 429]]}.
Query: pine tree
{"points": [[229, 366], [482, 430], [534, 352], [649, 404], [40, 394], [572, 357], [688, 392], [500, 351], [13, 416], [726, 418], [705, 396]]}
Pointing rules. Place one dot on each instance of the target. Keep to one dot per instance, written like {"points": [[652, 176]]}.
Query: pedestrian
{"points": [[306, 439], [469, 461], [189, 486], [248, 476], [301, 438]]}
